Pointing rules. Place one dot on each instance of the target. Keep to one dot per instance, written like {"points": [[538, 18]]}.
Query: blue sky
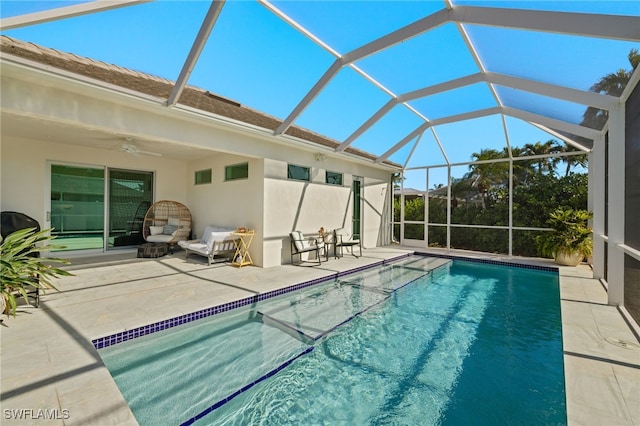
{"points": [[255, 58]]}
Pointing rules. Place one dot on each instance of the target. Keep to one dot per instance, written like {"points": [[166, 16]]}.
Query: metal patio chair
{"points": [[343, 238], [300, 245]]}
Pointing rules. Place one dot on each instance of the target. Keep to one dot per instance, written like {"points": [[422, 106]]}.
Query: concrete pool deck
{"points": [[52, 375]]}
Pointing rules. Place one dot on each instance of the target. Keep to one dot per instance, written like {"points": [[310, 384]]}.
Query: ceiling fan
{"points": [[130, 148]]}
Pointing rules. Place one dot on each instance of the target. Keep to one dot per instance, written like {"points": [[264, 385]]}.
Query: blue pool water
{"points": [[464, 343]]}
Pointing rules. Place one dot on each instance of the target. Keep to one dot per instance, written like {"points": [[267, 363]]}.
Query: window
{"points": [[203, 176], [334, 178], [236, 171], [298, 172]]}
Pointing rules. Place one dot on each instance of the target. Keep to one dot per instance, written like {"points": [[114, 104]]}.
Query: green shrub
{"points": [[571, 233], [22, 268]]}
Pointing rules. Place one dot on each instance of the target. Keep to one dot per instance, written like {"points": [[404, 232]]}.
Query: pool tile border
{"points": [[491, 261], [123, 336], [120, 337]]}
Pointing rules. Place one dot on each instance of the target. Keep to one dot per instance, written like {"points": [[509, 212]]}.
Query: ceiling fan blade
{"points": [[132, 149], [155, 154]]}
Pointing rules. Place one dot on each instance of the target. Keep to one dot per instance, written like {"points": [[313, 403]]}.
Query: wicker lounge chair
{"points": [[167, 222]]}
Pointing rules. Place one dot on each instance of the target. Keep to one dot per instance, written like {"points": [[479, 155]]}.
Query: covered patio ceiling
{"points": [[418, 83]]}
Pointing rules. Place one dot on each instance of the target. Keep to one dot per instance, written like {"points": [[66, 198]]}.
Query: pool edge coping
{"points": [[144, 330]]}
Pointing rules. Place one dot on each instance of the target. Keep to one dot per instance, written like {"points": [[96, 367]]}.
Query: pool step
{"points": [[318, 311], [286, 328]]}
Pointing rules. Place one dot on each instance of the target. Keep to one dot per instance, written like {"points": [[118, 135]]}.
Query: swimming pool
{"points": [[463, 343]]}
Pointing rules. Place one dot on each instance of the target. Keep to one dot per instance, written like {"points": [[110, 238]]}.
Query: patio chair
{"points": [[343, 238], [167, 222], [300, 245]]}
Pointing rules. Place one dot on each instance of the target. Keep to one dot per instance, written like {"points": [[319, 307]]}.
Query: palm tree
{"points": [[523, 169], [486, 175], [611, 84], [548, 164], [397, 179], [574, 160], [460, 188]]}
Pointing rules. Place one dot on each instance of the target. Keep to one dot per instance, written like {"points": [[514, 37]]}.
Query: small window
{"points": [[236, 171], [334, 178], [203, 176], [298, 172]]}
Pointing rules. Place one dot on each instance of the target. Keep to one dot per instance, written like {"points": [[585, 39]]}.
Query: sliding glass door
{"points": [[97, 208], [77, 207], [130, 197]]}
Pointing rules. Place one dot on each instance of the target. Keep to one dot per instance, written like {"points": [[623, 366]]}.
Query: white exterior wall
{"points": [[234, 203], [25, 176], [306, 206], [267, 201]]}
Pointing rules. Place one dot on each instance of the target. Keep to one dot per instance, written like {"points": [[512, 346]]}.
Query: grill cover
{"points": [[11, 222]]}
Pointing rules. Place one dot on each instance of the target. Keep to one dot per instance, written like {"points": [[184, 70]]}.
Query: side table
{"points": [[242, 240], [326, 238]]}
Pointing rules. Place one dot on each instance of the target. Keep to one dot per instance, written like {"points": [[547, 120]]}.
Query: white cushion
{"points": [[206, 234], [299, 241], [196, 247], [160, 238], [215, 229], [217, 236], [156, 230]]}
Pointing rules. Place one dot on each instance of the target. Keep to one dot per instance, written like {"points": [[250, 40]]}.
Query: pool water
{"points": [[462, 343]]}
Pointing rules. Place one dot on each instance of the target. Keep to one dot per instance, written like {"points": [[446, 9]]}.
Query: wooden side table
{"points": [[242, 240]]}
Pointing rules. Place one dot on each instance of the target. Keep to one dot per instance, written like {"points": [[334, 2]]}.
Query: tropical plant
{"points": [[396, 179], [571, 161], [612, 84], [22, 267], [522, 169], [487, 175], [571, 234], [460, 188], [543, 165]]}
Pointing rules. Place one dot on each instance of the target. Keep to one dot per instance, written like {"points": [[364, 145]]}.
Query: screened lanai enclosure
{"points": [[487, 115]]}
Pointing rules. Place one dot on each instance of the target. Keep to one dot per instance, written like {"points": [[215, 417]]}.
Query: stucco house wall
{"points": [[306, 206], [266, 201], [231, 203], [25, 175]]}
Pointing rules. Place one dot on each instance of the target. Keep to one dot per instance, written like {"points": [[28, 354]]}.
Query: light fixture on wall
{"points": [[319, 156]]}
